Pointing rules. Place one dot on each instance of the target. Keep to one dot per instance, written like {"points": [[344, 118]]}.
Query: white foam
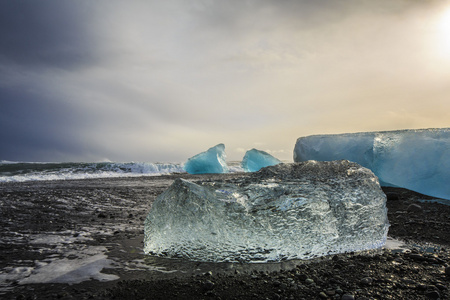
{"points": [[66, 237], [85, 263], [139, 264], [71, 176], [68, 171], [72, 270], [7, 162], [68, 260]]}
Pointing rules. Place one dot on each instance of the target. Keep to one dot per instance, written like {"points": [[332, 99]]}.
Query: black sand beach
{"points": [[97, 226]]}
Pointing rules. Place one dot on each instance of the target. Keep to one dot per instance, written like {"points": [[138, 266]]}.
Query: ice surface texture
{"points": [[255, 159], [287, 211], [418, 160], [211, 161]]}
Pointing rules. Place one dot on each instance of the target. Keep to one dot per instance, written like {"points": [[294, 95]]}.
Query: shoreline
{"points": [[106, 215]]}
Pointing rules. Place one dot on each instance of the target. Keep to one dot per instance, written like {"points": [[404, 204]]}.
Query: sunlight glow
{"points": [[443, 34]]}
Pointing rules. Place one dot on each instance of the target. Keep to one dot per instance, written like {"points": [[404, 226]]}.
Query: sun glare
{"points": [[443, 33]]}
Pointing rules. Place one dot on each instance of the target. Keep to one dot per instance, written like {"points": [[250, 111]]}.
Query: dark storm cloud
{"points": [[35, 126], [36, 38], [46, 33]]}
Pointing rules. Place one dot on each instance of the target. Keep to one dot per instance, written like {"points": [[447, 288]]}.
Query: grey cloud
{"points": [[268, 15], [46, 33], [35, 126], [151, 80]]}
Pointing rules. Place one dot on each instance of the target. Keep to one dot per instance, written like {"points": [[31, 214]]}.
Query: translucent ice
{"points": [[287, 211], [255, 159], [211, 161], [418, 160]]}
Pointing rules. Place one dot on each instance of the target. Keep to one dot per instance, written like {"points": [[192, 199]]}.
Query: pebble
{"points": [[302, 277], [208, 285], [447, 271], [276, 296], [347, 297], [101, 215], [392, 196], [398, 260], [293, 288], [366, 281], [414, 208], [433, 295], [416, 257], [408, 281], [309, 281], [422, 287]]}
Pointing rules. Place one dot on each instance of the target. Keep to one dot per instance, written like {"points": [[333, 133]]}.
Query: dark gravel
{"points": [[420, 272]]}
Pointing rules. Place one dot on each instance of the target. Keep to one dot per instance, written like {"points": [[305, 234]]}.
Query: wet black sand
{"points": [[111, 213]]}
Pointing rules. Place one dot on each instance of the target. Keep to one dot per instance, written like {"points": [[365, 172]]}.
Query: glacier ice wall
{"points": [[255, 159], [418, 160], [211, 161], [287, 211]]}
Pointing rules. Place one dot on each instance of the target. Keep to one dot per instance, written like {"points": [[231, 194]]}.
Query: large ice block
{"points": [[255, 159], [418, 160], [211, 161], [287, 211]]}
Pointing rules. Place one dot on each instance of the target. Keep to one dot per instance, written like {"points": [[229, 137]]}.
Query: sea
{"points": [[11, 171]]}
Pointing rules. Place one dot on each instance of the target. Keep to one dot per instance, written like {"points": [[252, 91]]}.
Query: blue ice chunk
{"points": [[418, 160], [255, 159], [211, 161]]}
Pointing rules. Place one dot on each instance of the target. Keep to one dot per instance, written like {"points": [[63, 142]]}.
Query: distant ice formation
{"points": [[211, 161], [286, 211], [255, 159], [418, 160]]}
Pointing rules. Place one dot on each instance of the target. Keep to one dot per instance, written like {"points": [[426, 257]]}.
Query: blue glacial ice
{"points": [[255, 159], [418, 160], [211, 161], [287, 211]]}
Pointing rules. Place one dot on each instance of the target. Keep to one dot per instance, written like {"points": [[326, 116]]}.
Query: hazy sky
{"points": [[164, 80]]}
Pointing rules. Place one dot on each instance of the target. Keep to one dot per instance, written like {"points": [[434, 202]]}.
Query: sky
{"points": [[161, 81]]}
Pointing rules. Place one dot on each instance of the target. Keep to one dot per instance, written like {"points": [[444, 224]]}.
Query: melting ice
{"points": [[418, 160], [255, 159], [211, 161], [287, 211]]}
